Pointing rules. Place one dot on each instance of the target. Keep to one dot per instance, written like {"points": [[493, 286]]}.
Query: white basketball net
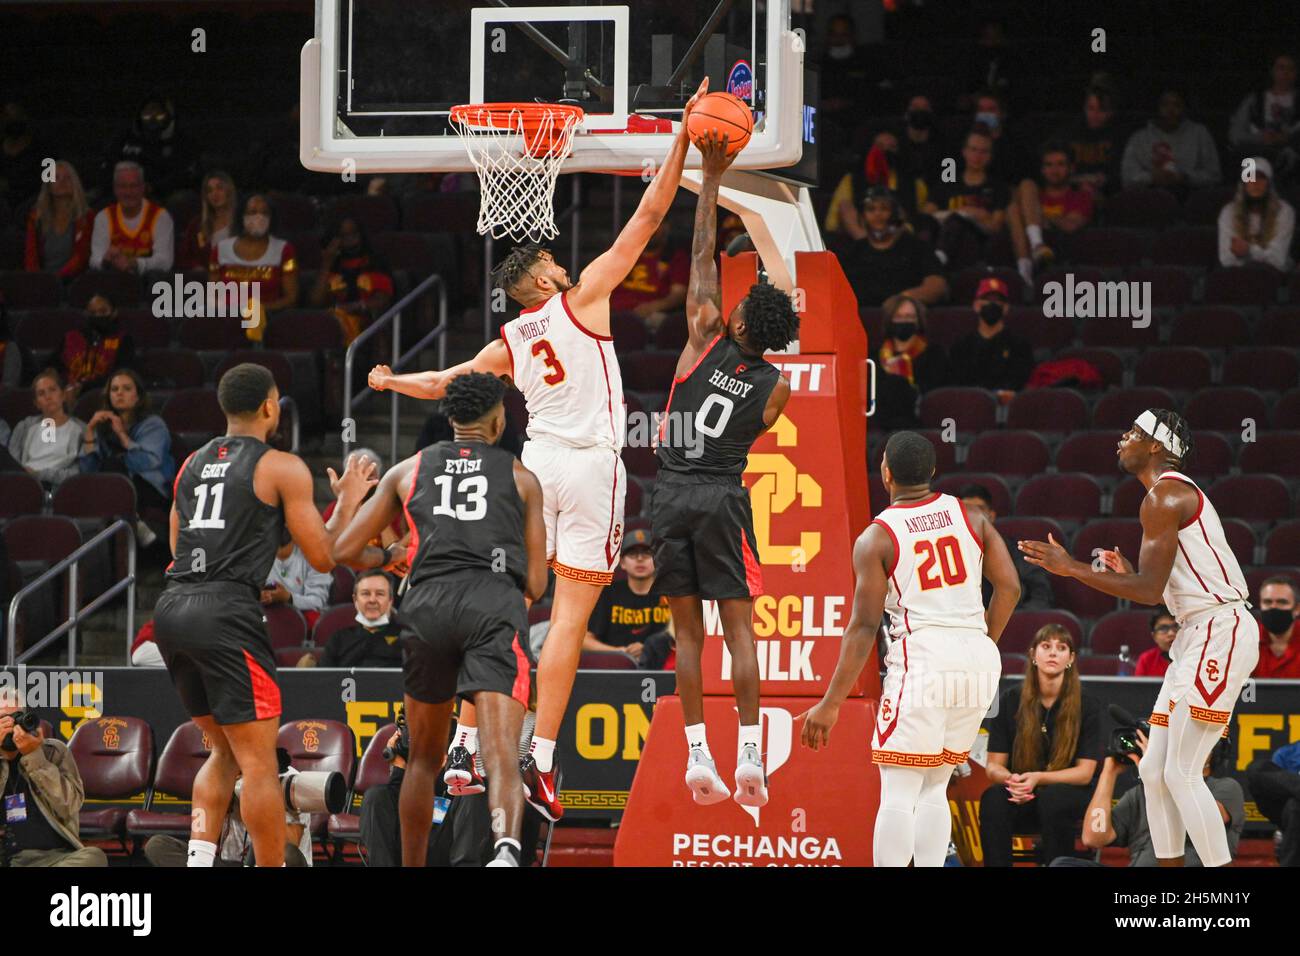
{"points": [[516, 169]]}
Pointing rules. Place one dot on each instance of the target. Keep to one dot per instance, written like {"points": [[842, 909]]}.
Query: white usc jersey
{"points": [[936, 579], [569, 376], [1205, 574]]}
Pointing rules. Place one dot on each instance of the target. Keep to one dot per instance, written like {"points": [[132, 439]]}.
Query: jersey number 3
{"points": [[946, 553], [542, 349]]}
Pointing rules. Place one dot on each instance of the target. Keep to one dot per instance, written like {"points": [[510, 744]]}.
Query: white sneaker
{"points": [[751, 781], [702, 777], [144, 535]]}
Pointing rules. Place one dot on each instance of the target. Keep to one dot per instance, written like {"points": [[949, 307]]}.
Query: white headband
{"points": [[1160, 432]]}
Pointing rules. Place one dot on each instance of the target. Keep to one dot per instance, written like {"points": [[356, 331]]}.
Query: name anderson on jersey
{"points": [[928, 522], [728, 384]]}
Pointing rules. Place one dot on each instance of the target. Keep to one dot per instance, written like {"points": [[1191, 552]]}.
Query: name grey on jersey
{"points": [[735, 386], [215, 470]]}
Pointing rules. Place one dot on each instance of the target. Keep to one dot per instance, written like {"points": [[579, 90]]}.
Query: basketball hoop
{"points": [[517, 150]]}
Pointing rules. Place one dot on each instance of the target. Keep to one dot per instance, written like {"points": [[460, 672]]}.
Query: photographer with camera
{"points": [[42, 794], [304, 794], [1126, 824], [381, 826]]}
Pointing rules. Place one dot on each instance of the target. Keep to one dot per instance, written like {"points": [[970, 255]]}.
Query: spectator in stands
{"points": [[144, 648], [132, 234], [43, 794], [48, 443], [1124, 823], [213, 223], [1054, 205], [1035, 585], [252, 254], [993, 65], [972, 208], [992, 356], [1268, 122], [1275, 785], [1011, 160], [920, 154], [294, 581], [660, 650], [93, 352], [375, 640], [20, 155], [1279, 648], [1171, 151], [891, 260], [877, 168], [168, 156], [124, 436], [380, 824], [1094, 141], [1044, 744], [629, 611], [353, 279], [396, 534], [905, 351], [1154, 661], [1258, 225], [59, 226], [656, 286]]}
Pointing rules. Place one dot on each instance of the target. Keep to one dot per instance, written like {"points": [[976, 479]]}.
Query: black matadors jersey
{"points": [[465, 512], [226, 532], [715, 412]]}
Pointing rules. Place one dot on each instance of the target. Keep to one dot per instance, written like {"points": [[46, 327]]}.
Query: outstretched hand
{"points": [[1048, 555], [1116, 562], [714, 150], [690, 104], [359, 476]]}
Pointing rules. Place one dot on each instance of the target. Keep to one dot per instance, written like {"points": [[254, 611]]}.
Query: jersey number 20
{"points": [[946, 553]]}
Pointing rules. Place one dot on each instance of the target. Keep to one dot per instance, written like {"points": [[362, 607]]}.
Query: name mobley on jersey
{"points": [[75, 909]]}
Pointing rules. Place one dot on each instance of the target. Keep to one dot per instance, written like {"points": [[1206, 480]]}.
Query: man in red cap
{"points": [[992, 356]]}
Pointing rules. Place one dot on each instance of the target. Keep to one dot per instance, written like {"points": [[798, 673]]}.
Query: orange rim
{"points": [[540, 137]]}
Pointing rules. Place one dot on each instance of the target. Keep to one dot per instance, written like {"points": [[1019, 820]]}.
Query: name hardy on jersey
{"points": [[735, 386], [928, 522]]}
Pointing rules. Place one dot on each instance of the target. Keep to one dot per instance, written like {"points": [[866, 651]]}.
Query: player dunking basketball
{"points": [[232, 498], [724, 395], [1186, 562], [559, 353], [921, 559], [478, 544]]}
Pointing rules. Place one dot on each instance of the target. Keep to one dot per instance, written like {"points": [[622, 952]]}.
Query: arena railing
{"points": [[71, 564], [433, 284]]}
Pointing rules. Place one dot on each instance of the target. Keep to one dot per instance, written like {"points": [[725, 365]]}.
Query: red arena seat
{"points": [[1022, 627], [185, 752], [1252, 497], [114, 756], [1012, 452], [1073, 497], [1119, 629], [971, 409], [1175, 368], [1049, 410]]}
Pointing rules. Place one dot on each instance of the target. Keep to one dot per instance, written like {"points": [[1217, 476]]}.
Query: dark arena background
{"points": [[1119, 180]]}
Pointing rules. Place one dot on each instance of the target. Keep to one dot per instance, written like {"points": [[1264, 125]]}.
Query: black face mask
{"points": [[920, 120], [1276, 620], [902, 331], [103, 324], [990, 313]]}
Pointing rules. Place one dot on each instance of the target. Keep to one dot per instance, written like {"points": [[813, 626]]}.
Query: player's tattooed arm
{"points": [[1164, 509], [872, 553], [1000, 571], [530, 490], [494, 358], [352, 546], [703, 295]]}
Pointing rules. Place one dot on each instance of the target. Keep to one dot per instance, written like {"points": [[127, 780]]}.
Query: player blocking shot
{"points": [[723, 396], [478, 546], [560, 354], [1185, 563], [922, 560], [232, 499]]}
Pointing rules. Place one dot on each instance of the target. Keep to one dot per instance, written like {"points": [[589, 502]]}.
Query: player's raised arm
{"points": [[352, 546], [703, 295], [606, 271], [494, 359], [530, 490], [293, 482], [872, 553], [1000, 571]]}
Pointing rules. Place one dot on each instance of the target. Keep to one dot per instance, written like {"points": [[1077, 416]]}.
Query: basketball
{"points": [[724, 114]]}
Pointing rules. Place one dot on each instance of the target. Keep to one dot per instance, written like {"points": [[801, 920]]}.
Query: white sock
{"points": [[895, 833], [753, 734], [507, 840], [696, 739], [933, 818], [202, 853], [1035, 234], [466, 737], [543, 752]]}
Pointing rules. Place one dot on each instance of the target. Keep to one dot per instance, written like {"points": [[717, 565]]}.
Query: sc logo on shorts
{"points": [[780, 486]]}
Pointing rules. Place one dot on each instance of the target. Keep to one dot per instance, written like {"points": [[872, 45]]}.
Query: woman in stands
{"points": [[253, 254], [93, 351], [49, 457], [1044, 744], [59, 226], [213, 223], [1257, 226], [125, 437], [353, 281]]}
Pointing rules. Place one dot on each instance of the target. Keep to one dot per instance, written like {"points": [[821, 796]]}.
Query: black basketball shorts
{"points": [[463, 633], [213, 640], [704, 533]]}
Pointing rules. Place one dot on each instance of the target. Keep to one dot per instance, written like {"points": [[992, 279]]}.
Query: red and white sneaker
{"points": [[539, 789], [461, 776]]}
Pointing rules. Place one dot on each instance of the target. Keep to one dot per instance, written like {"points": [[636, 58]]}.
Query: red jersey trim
{"points": [[1200, 499], [519, 690], [611, 555], [753, 572], [970, 527], [897, 550], [1210, 698], [934, 495], [581, 328], [414, 544], [883, 736], [707, 349], [509, 351], [1199, 579], [1217, 560], [176, 482], [266, 693]]}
